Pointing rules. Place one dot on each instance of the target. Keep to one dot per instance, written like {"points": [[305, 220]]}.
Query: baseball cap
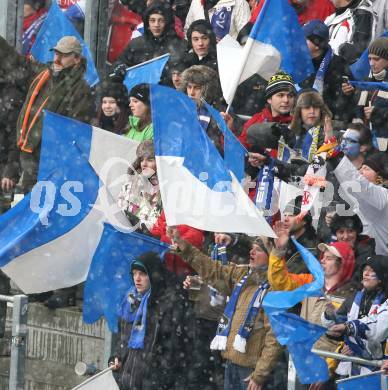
{"points": [[68, 44]]}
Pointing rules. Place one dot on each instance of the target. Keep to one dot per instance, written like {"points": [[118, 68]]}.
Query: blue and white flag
{"points": [[109, 274], [275, 42], [361, 68], [76, 12], [56, 26], [48, 239], [196, 186], [374, 380], [370, 85], [147, 72], [291, 330]]}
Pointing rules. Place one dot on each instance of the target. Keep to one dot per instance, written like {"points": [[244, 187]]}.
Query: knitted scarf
{"points": [[239, 344], [134, 310], [320, 76]]}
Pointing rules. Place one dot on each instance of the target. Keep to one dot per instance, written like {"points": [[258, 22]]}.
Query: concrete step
{"points": [[56, 341]]}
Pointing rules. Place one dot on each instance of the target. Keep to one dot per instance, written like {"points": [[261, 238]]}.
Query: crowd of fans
{"points": [[205, 292]]}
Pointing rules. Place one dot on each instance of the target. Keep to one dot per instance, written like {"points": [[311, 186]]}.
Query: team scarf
{"points": [[221, 21], [240, 340], [218, 253], [204, 117], [134, 311], [265, 197], [321, 72], [309, 143]]}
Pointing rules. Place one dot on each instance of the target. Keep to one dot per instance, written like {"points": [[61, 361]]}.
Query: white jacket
{"points": [[380, 8], [368, 200], [342, 27], [240, 14]]}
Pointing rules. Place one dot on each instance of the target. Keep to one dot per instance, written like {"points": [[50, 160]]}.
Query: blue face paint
{"points": [[351, 148]]}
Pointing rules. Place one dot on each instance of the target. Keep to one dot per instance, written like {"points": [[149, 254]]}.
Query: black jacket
{"points": [[164, 363]]}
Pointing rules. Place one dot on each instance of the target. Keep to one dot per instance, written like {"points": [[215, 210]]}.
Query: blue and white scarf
{"points": [[221, 21], [134, 310], [321, 72], [240, 341]]}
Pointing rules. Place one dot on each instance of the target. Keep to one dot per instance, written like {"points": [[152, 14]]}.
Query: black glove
{"points": [[119, 72]]}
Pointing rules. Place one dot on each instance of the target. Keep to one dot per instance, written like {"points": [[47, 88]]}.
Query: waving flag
{"points": [[147, 72], [102, 380], [109, 274], [196, 186], [47, 240], [374, 380], [276, 41], [56, 26], [370, 85], [297, 334], [76, 12]]}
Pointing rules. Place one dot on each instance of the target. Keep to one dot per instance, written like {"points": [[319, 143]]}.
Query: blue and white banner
{"points": [[48, 239], [370, 85], [147, 72], [275, 42], [56, 26], [196, 186], [109, 274], [294, 332]]}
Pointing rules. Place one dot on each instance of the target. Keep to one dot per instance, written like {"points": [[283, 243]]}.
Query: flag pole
{"points": [[91, 379]]}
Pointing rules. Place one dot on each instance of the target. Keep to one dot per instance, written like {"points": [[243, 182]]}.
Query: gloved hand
{"points": [[119, 72]]}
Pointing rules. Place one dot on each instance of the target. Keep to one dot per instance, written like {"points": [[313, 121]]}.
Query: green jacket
{"points": [[135, 134]]}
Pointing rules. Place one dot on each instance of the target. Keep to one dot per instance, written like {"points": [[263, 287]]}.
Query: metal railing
{"points": [[19, 340]]}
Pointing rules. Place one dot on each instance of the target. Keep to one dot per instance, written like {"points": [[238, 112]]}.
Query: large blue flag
{"points": [[196, 185], [109, 274], [147, 72], [373, 381], [297, 334], [56, 26], [48, 239], [234, 151], [361, 68]]}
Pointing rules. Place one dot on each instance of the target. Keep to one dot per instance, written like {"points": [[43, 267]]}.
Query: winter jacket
{"points": [[370, 199], [262, 348], [312, 307], [380, 8], [234, 14], [340, 105], [351, 29], [314, 9], [164, 362], [148, 46], [135, 134], [173, 262]]}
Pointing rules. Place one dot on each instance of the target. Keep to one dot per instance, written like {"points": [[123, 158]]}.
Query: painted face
{"points": [[369, 278], [148, 166], [350, 147], [310, 116], [63, 61], [377, 64], [141, 280], [138, 108], [329, 264], [345, 234], [281, 103], [257, 257], [368, 173], [157, 24], [194, 91], [200, 43], [109, 106]]}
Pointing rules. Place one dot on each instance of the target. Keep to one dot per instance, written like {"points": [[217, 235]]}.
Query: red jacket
{"points": [[316, 9], [194, 236]]}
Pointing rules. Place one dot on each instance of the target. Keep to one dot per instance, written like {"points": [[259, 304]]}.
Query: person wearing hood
{"points": [[113, 111], [366, 190], [329, 70], [201, 84], [58, 87], [355, 311], [337, 260], [202, 45], [159, 38], [156, 330]]}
